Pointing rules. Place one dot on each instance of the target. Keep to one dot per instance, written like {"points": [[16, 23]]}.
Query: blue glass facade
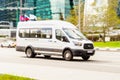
{"points": [[44, 9], [118, 9], [49, 9], [7, 14]]}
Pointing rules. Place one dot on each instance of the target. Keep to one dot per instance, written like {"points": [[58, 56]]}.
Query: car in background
{"points": [[8, 43]]}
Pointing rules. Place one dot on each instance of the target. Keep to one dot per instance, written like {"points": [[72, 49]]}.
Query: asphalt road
{"points": [[101, 62]]}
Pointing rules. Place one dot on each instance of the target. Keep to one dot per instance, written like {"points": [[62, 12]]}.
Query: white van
{"points": [[52, 37]]}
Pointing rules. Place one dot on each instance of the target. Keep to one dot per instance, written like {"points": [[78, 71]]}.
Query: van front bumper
{"points": [[78, 52]]}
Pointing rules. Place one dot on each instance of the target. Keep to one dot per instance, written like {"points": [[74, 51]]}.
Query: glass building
{"points": [[118, 9], [43, 9], [48, 9], [8, 14]]}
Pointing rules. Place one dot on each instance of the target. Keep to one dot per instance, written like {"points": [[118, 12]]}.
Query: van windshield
{"points": [[74, 34]]}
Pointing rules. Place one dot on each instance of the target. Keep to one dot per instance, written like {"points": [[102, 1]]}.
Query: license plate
{"points": [[89, 51]]}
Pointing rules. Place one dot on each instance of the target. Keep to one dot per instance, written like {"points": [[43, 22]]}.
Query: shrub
{"points": [[96, 38], [93, 37]]}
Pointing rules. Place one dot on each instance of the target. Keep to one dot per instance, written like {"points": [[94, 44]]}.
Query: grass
{"points": [[114, 44], [12, 77], [2, 36]]}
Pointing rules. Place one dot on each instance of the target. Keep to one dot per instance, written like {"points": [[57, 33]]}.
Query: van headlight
{"points": [[77, 43]]}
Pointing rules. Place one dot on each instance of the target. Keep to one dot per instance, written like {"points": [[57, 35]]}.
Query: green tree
{"points": [[110, 18], [106, 16], [39, 18], [73, 18]]}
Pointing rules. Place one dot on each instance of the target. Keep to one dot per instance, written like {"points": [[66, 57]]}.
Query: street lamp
{"points": [[20, 7], [79, 14]]}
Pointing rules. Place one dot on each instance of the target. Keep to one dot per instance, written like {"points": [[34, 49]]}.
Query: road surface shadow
{"points": [[73, 60]]}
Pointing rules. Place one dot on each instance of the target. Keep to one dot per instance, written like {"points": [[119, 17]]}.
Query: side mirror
{"points": [[64, 39]]}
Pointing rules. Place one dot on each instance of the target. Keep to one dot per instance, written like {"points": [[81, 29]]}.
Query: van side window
{"points": [[60, 36], [46, 33], [35, 33], [24, 33], [21, 33]]}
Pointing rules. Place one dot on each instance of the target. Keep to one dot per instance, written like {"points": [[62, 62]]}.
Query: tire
{"points": [[85, 57], [47, 56], [29, 53], [9, 46], [68, 55], [1, 45]]}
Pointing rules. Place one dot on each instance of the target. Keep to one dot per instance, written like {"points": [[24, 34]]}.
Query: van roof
{"points": [[57, 23]]}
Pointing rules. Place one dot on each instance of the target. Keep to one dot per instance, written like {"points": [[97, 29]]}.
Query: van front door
{"points": [[59, 42]]}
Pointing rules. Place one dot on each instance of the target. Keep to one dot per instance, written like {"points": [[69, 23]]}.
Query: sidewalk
{"points": [[54, 73]]}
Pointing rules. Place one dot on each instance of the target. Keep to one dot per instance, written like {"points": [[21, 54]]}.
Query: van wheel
{"points": [[29, 53], [9, 46], [68, 55], [1, 45], [85, 57], [47, 56]]}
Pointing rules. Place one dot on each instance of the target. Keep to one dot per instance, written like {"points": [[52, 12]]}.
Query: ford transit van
{"points": [[52, 37]]}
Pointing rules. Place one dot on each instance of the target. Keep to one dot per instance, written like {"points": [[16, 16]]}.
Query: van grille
{"points": [[88, 46]]}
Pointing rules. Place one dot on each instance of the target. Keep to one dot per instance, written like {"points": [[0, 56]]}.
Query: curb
{"points": [[107, 49]]}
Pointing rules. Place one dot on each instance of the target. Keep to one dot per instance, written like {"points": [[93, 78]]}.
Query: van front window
{"points": [[74, 34]]}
